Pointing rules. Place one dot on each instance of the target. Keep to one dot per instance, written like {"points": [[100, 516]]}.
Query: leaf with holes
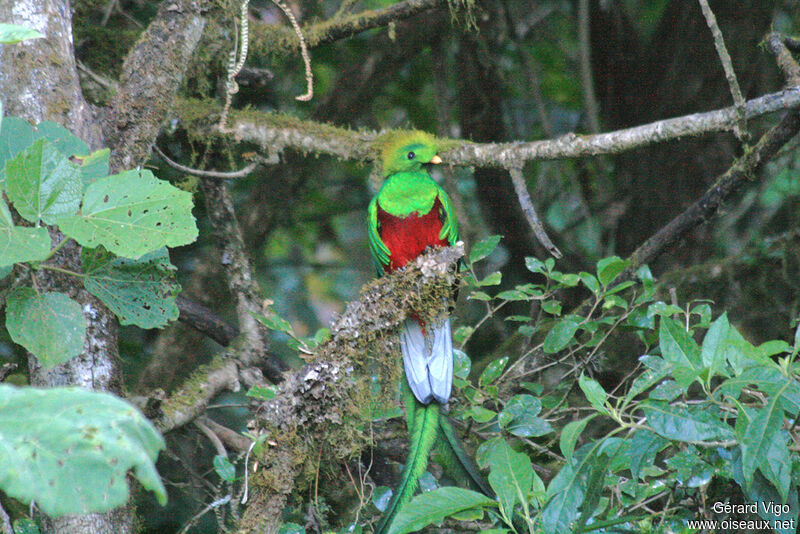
{"points": [[140, 292], [42, 183], [17, 243], [131, 214], [50, 325], [69, 449]]}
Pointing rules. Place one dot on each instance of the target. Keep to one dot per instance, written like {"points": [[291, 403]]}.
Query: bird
{"points": [[411, 213]]}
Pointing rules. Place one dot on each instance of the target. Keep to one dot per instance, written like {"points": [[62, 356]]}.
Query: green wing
{"points": [[450, 221], [380, 252]]}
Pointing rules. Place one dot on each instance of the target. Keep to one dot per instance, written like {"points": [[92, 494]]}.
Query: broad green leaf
{"points": [[644, 447], [224, 468], [679, 349], [760, 433], [519, 417], [15, 136], [480, 414], [493, 371], [433, 506], [773, 347], [140, 292], [64, 141], [510, 475], [42, 183], [668, 390], [484, 248], [776, 464], [594, 392], [69, 449], [461, 364], [492, 279], [131, 214], [462, 333], [553, 307], [51, 325], [566, 490], [690, 468], [657, 369], [609, 268], [662, 309], [561, 334], [479, 295], [715, 343], [18, 243], [13, 33], [685, 424], [94, 166], [570, 435], [513, 294], [535, 265], [590, 281]]}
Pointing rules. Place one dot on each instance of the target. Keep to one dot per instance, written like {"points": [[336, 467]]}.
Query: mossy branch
{"points": [[276, 132], [324, 406]]}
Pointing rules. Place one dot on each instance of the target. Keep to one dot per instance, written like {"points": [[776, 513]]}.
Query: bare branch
{"points": [[278, 132], [241, 173], [530, 211], [587, 82], [739, 174], [727, 66], [206, 321]]}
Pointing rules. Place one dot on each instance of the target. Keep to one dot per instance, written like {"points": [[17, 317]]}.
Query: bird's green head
{"points": [[407, 151]]}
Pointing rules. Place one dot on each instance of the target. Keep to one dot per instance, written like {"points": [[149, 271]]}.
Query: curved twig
{"points": [[232, 175], [529, 210]]}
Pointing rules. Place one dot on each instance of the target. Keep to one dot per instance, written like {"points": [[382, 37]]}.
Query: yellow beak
{"points": [[436, 159]]}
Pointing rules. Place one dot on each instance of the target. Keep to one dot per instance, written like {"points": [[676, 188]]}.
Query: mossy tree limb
{"points": [[323, 407]]}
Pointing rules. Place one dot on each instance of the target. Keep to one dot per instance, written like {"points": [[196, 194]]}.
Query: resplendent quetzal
{"points": [[410, 213]]}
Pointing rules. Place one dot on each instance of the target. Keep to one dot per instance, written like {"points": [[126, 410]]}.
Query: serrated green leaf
{"points": [[13, 33], [433, 506], [609, 268], [51, 325], [224, 468], [493, 371], [510, 475], [140, 292], [561, 334], [69, 449], [484, 248], [42, 184], [131, 214], [18, 243], [571, 433]]}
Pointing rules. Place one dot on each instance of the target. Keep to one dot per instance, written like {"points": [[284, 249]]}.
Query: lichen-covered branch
{"points": [[323, 406], [151, 76], [276, 132], [282, 40]]}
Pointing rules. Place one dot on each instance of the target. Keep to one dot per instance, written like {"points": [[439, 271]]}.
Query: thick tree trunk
{"points": [[39, 82]]}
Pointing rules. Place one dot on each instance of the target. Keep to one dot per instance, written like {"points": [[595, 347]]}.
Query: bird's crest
{"points": [[406, 150]]}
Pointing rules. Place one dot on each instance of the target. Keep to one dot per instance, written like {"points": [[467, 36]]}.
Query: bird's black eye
{"points": [[411, 155]]}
